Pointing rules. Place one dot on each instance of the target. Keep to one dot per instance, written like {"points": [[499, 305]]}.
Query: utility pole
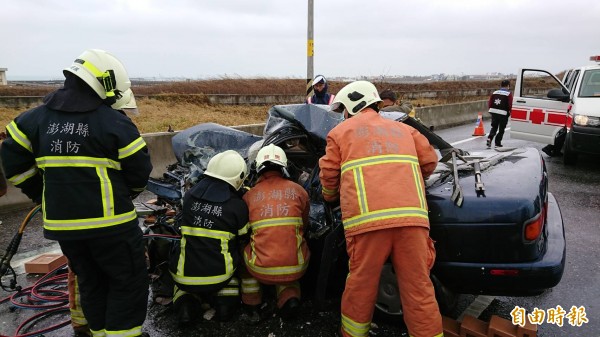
{"points": [[310, 49]]}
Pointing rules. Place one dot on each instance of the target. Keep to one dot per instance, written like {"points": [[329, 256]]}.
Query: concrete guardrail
{"points": [[159, 144]]}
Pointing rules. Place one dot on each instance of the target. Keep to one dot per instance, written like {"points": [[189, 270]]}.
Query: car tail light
{"points": [[504, 272], [533, 228]]}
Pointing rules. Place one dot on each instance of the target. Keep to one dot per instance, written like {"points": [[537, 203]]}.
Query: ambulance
{"points": [[569, 113]]}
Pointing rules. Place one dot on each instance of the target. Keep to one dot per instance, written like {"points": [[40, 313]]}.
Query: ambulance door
{"points": [[538, 114]]}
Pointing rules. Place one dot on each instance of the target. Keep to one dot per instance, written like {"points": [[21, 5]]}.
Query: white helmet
{"points": [[228, 166], [270, 154], [126, 103], [319, 78], [101, 71], [355, 97]]}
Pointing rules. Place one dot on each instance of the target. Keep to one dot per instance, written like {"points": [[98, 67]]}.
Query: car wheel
{"points": [[446, 298], [569, 156], [388, 306]]}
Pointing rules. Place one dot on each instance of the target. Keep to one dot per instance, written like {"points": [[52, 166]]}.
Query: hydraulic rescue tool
{"points": [[5, 266]]}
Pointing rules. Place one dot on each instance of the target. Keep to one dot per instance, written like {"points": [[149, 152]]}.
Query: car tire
{"points": [[388, 307], [569, 156]]}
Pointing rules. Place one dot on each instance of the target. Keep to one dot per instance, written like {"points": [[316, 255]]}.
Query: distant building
{"points": [[3, 76]]}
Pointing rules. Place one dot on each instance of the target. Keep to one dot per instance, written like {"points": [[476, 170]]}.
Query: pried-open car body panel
{"points": [[481, 241]]}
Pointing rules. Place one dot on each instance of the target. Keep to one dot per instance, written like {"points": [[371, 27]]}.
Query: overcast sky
{"points": [[267, 38]]}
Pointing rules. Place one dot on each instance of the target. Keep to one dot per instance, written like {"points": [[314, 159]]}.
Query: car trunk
{"points": [[490, 228]]}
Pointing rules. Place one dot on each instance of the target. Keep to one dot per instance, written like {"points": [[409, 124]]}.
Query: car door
{"points": [[535, 116]]}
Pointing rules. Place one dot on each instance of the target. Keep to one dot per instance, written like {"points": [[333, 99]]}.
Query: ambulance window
{"points": [[590, 84], [571, 79], [536, 84]]}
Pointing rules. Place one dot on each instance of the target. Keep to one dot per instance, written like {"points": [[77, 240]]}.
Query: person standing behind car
{"points": [[374, 167], [204, 262], [390, 100], [84, 162], [321, 96], [500, 105], [277, 253]]}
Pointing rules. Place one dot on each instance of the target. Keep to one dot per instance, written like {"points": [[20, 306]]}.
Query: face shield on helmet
{"points": [[127, 103], [354, 97], [102, 72], [228, 166], [270, 154]]}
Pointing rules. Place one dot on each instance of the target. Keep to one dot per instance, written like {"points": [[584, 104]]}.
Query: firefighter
{"points": [[321, 96], [204, 263], [84, 161], [277, 253], [127, 105], [3, 183], [374, 167]]}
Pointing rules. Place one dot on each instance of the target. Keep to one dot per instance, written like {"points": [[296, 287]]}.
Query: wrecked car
{"points": [[497, 228]]}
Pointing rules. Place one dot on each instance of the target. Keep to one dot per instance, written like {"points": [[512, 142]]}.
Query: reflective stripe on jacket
{"points": [[208, 254], [279, 209], [376, 167], [88, 164]]}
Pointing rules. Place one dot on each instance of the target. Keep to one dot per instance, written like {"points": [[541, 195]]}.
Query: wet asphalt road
{"points": [[577, 190]]}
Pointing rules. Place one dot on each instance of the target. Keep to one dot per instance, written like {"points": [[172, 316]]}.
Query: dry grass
{"points": [[156, 116], [181, 112]]}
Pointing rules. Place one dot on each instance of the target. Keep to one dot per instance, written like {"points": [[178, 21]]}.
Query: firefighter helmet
{"points": [[126, 103], [101, 71], [355, 96], [270, 154], [228, 166]]}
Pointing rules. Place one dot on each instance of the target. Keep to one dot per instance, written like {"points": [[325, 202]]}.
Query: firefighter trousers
{"points": [[252, 292], [112, 280], [412, 254], [78, 321], [226, 298]]}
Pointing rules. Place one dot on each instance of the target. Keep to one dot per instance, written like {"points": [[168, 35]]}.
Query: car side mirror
{"points": [[559, 95]]}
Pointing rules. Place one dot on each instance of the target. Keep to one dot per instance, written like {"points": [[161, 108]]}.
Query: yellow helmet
{"points": [[270, 154], [101, 71], [356, 96], [228, 166], [126, 103]]}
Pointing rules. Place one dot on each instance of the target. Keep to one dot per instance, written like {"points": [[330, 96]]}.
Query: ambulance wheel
{"points": [[569, 156]]}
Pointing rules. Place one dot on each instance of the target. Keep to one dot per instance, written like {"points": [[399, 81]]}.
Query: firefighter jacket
{"points": [[376, 166], [500, 102], [208, 253], [82, 165], [279, 208]]}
